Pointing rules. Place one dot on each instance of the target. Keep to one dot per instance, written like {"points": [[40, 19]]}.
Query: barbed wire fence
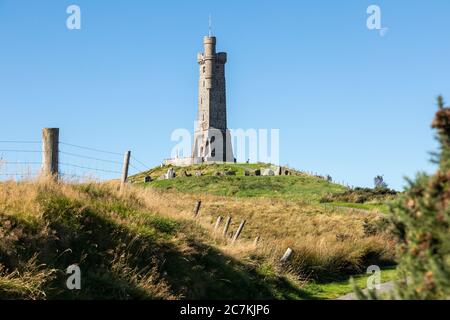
{"points": [[25, 160]]}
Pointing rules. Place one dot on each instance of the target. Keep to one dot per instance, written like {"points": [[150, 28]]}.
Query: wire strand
{"points": [[18, 162], [22, 151], [88, 168], [88, 148], [90, 158], [140, 162], [23, 142], [18, 174]]}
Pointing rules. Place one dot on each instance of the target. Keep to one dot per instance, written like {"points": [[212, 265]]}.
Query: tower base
{"points": [[213, 145]]}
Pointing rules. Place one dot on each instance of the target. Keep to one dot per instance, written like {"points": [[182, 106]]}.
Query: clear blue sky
{"points": [[348, 102]]}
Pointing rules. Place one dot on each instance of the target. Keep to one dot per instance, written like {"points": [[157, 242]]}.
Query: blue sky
{"points": [[348, 102]]}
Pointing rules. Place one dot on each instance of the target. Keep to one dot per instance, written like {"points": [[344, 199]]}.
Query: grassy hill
{"points": [[146, 243], [297, 186], [330, 240]]}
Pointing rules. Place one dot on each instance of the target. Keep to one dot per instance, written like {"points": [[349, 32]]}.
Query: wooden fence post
{"points": [[225, 228], [50, 152], [197, 208], [219, 220], [255, 243], [126, 165], [238, 231]]}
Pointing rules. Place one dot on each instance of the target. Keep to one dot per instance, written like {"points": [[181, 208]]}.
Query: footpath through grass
{"points": [[336, 289]]}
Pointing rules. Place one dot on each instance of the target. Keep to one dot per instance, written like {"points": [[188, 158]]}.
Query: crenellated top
{"points": [[209, 54]]}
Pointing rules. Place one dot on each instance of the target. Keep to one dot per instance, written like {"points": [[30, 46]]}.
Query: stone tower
{"points": [[212, 139]]}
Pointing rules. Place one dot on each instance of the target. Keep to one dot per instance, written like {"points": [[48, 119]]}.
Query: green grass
{"points": [[303, 188], [333, 290]]}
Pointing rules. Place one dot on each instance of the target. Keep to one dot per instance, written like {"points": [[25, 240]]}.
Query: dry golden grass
{"points": [[132, 242], [324, 240]]}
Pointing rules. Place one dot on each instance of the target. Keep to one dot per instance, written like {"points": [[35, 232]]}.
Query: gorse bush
{"points": [[421, 222], [361, 195]]}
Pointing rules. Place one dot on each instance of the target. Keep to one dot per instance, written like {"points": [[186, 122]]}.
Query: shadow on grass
{"points": [[117, 262]]}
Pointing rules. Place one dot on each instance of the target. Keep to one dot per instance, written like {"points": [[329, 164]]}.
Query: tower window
{"points": [[204, 69], [203, 84]]}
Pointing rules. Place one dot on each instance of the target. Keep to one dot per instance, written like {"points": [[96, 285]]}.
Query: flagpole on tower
{"points": [[210, 26]]}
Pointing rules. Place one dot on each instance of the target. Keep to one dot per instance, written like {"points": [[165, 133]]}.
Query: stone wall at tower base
{"points": [[189, 161]]}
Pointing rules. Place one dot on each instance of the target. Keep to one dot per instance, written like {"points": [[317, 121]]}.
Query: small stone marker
{"points": [[198, 173], [256, 242], [170, 174], [268, 172], [278, 171], [286, 255]]}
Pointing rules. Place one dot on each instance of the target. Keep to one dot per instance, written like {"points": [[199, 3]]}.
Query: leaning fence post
{"points": [[126, 165], [255, 243], [238, 231], [197, 208], [225, 228], [50, 152], [286, 256], [219, 220]]}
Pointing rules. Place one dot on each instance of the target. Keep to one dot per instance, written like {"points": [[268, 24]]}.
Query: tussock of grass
{"points": [[25, 284]]}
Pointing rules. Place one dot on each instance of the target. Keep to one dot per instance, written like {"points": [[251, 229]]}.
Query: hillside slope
{"points": [[329, 241], [147, 244], [124, 249]]}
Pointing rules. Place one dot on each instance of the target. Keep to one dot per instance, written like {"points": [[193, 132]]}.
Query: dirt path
{"points": [[384, 288]]}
